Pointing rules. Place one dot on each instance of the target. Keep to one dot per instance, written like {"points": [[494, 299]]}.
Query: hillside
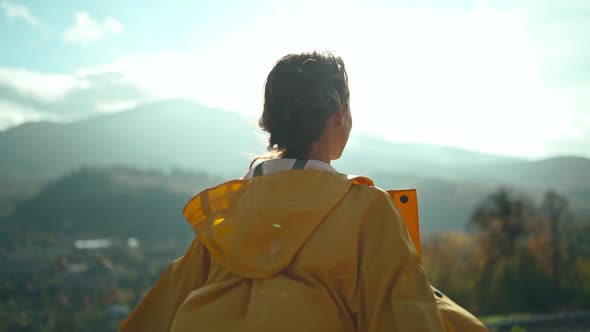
{"points": [[180, 133], [116, 202], [124, 202], [160, 135], [443, 204], [562, 173]]}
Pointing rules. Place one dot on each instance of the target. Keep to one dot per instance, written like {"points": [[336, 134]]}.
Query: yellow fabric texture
{"points": [[298, 250]]}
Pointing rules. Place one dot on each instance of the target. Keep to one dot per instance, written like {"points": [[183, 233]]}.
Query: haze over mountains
{"points": [[182, 134]]}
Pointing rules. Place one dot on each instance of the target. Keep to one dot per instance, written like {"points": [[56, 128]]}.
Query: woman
{"points": [[295, 245]]}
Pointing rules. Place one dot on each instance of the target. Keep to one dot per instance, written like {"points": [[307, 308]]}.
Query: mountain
{"points": [[13, 191], [183, 134], [180, 133], [160, 135], [123, 202], [561, 173], [117, 202]]}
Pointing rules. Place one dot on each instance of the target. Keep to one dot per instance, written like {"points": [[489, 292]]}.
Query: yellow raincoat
{"points": [[298, 250]]}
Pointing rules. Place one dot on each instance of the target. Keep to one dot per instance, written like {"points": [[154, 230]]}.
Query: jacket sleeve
{"points": [[455, 317], [393, 293], [157, 309]]}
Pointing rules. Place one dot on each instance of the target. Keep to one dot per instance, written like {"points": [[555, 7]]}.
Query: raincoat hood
{"points": [[254, 228]]}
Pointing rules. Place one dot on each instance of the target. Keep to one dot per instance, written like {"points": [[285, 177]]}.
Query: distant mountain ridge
{"points": [[185, 135], [160, 135], [181, 133]]}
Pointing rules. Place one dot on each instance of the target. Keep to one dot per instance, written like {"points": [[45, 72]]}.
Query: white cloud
{"points": [[470, 79], [86, 30], [27, 95], [14, 11], [117, 106], [42, 87], [12, 114], [476, 101], [113, 26]]}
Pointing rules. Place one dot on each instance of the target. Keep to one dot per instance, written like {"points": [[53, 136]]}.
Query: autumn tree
{"points": [[501, 225], [500, 221], [555, 210]]}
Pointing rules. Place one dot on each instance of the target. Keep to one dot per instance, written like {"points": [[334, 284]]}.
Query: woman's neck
{"points": [[319, 152]]}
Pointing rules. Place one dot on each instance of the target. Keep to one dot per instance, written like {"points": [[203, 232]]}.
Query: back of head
{"points": [[302, 91]]}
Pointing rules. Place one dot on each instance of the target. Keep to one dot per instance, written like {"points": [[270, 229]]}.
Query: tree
{"points": [[501, 219], [555, 209], [501, 222], [452, 265]]}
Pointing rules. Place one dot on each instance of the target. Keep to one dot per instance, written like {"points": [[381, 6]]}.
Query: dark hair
{"points": [[302, 91]]}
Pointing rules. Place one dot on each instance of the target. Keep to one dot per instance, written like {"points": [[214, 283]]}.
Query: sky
{"points": [[506, 77]]}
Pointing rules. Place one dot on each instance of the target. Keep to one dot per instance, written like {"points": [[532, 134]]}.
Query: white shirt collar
{"points": [[283, 164]]}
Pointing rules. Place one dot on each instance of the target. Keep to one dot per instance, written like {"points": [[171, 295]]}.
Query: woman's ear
{"points": [[339, 116]]}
